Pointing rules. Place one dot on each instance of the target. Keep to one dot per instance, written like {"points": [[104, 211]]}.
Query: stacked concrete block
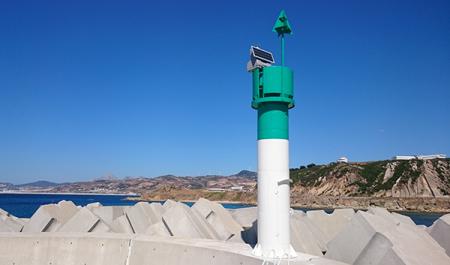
{"points": [[83, 221], [305, 236], [108, 213], [144, 214], [100, 227], [245, 216], [393, 217], [440, 231], [330, 224], [4, 227], [375, 239], [14, 224], [64, 211], [10, 223], [297, 212], [39, 222], [93, 205], [201, 223], [182, 221], [158, 229], [219, 218], [302, 240], [3, 212], [122, 225], [138, 218], [50, 217], [168, 204]]}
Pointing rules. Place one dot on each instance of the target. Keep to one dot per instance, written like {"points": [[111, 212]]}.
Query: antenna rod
{"points": [[282, 49]]}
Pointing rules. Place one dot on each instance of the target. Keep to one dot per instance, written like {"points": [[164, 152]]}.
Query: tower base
{"points": [[274, 253]]}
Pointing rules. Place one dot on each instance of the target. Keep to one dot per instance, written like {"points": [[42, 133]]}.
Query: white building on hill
{"points": [[421, 157], [342, 160]]}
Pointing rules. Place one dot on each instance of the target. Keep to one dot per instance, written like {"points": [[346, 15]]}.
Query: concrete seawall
{"points": [[127, 249]]}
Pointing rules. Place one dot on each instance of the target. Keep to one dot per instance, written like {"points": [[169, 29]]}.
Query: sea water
{"points": [[24, 205]]}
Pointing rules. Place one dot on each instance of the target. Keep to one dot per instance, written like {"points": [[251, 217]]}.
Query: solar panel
{"points": [[262, 55]]}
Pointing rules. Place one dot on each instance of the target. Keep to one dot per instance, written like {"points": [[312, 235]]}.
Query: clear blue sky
{"points": [[145, 88]]}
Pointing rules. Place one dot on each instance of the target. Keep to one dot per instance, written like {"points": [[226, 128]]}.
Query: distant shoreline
{"points": [[301, 206], [67, 193], [397, 204]]}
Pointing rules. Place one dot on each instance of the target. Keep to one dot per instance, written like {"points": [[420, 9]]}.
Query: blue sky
{"points": [[145, 88]]}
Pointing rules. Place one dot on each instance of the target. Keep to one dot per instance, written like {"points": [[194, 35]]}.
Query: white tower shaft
{"points": [[273, 200]]}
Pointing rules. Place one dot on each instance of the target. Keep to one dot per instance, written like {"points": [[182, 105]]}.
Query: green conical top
{"points": [[282, 24]]}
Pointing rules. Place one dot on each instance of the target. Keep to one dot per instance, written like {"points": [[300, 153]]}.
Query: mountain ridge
{"points": [[385, 178]]}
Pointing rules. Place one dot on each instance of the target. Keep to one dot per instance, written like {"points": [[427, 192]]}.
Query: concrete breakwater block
{"points": [[245, 216], [83, 221], [330, 224], [393, 217], [10, 223], [305, 237], [50, 217], [108, 213], [158, 229], [39, 222], [247, 219], [122, 225], [62, 212], [182, 221], [143, 214], [375, 239], [219, 218], [5, 228], [93, 205], [302, 239], [440, 231], [168, 204]]}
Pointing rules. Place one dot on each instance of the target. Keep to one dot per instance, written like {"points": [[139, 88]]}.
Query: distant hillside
{"points": [[38, 184], [143, 185], [6, 186], [412, 178], [246, 173]]}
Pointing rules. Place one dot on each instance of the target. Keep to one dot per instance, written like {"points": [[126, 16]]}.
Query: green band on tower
{"points": [[273, 121], [272, 97]]}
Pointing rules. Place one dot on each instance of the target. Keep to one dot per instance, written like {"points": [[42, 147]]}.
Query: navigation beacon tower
{"points": [[272, 98]]}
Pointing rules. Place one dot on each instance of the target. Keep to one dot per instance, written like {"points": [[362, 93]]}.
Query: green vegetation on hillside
{"points": [[372, 176], [369, 177], [310, 176]]}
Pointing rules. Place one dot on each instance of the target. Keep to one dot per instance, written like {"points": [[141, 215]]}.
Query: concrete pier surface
{"points": [[207, 233]]}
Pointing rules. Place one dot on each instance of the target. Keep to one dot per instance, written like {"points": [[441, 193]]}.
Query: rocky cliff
{"points": [[389, 178]]}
